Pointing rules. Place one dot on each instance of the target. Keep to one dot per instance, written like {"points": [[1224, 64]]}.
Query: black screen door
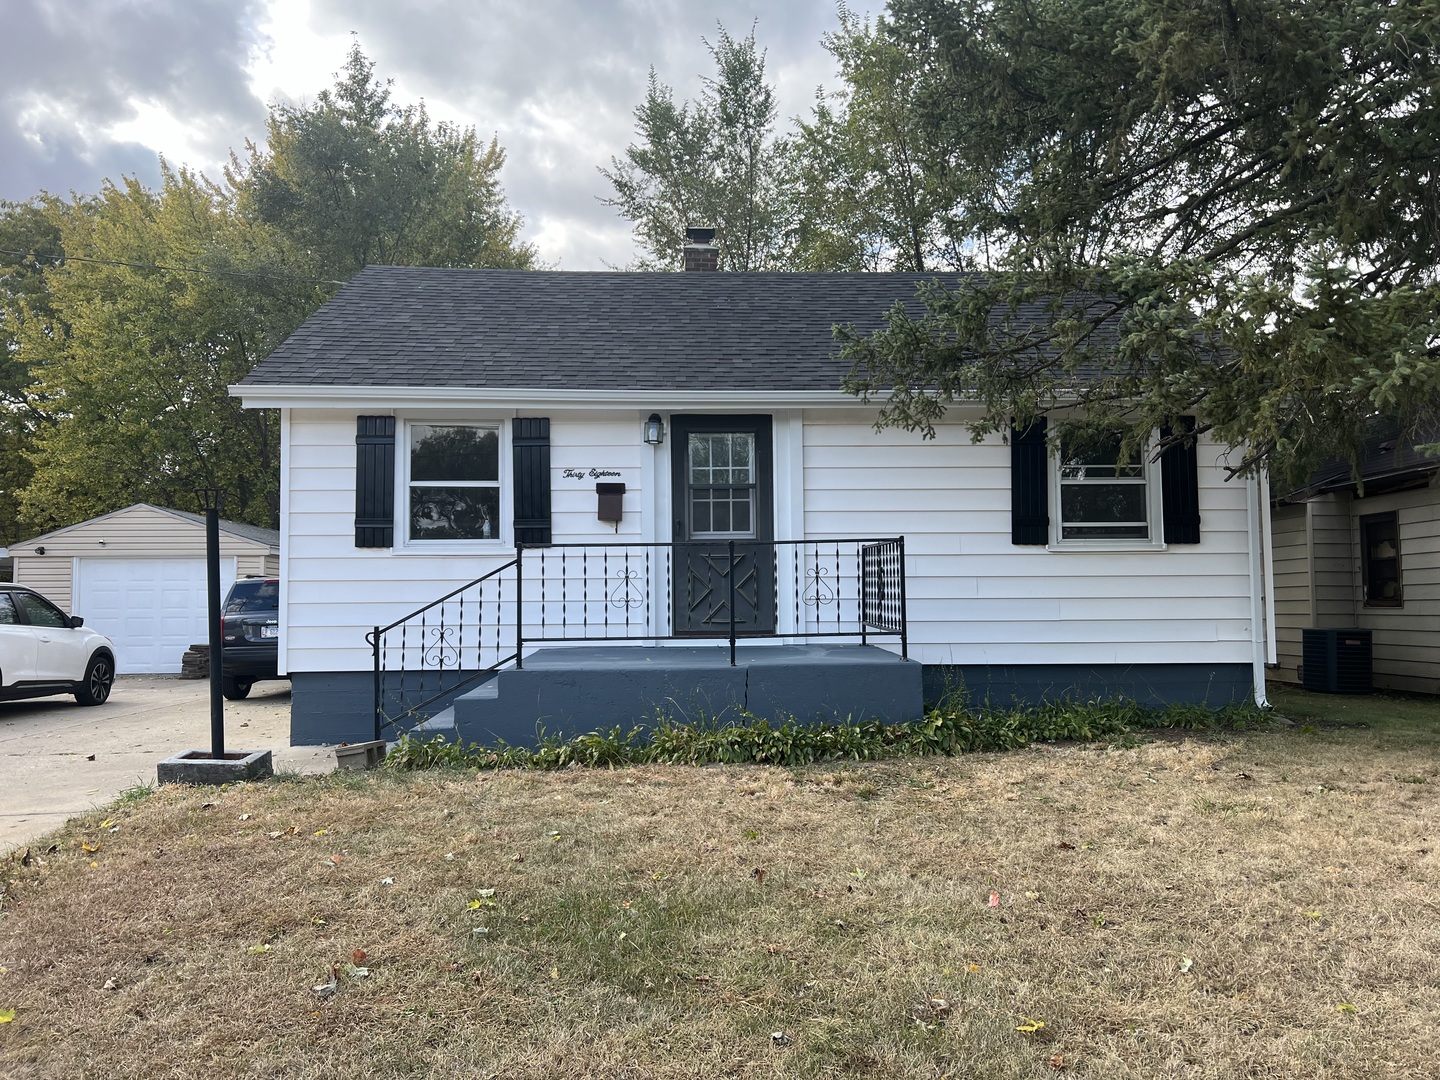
{"points": [[721, 469]]}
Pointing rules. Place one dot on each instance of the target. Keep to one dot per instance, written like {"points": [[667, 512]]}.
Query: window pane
{"points": [[7, 611], [454, 513], [1102, 503], [700, 513], [41, 612], [1099, 462], [454, 452]]}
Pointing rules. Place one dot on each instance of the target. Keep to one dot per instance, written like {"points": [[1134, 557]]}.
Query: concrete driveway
{"points": [[58, 759]]}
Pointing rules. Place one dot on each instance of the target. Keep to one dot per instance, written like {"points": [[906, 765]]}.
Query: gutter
{"points": [[1255, 491]]}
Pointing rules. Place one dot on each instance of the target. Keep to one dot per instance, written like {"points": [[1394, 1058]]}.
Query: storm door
{"points": [[723, 491]]}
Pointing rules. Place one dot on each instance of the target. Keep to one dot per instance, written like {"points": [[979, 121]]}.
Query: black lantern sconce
{"points": [[654, 430]]}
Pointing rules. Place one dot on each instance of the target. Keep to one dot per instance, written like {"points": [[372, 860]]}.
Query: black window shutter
{"points": [[374, 481], [1180, 485], [1029, 485], [531, 446]]}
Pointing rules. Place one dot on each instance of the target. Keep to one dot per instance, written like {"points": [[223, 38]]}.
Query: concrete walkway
{"points": [[58, 759]]}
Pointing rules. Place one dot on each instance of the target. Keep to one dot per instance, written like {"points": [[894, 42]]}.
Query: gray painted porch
{"points": [[571, 691]]}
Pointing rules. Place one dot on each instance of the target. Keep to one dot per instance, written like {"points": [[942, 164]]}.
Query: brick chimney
{"points": [[700, 250]]}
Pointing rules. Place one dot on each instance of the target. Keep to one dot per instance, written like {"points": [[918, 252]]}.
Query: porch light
{"points": [[654, 430]]}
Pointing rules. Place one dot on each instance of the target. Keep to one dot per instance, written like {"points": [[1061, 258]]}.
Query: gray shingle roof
{"points": [[514, 329], [256, 533]]}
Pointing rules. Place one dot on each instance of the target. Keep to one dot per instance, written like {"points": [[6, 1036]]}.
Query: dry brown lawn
{"points": [[1258, 906]]}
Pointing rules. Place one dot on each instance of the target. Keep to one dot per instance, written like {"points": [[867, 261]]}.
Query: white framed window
{"points": [[1100, 499], [452, 486]]}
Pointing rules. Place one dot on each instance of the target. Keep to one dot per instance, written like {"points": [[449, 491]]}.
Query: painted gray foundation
{"points": [[568, 692], [1212, 685], [337, 706]]}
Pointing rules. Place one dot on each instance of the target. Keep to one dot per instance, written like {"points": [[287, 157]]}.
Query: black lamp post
{"points": [[210, 500]]}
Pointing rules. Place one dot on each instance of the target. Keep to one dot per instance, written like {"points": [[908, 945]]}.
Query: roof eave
{"points": [[283, 396]]}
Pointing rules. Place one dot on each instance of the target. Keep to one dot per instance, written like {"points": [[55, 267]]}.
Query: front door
{"points": [[721, 471]]}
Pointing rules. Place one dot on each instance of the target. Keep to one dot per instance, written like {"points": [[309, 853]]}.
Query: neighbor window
{"points": [[1380, 551], [1102, 497], [454, 482]]}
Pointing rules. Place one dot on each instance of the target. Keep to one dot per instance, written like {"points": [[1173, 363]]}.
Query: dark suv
{"points": [[250, 632]]}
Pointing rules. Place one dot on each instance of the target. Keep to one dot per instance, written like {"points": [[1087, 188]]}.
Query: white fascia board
{"points": [[447, 397]]}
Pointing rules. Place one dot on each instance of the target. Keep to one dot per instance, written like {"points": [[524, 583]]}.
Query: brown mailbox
{"points": [[612, 503]]}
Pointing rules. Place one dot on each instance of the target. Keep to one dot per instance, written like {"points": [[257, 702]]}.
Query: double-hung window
{"points": [[453, 481], [1104, 499]]}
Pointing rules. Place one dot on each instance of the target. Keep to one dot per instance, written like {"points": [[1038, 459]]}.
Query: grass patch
{"points": [[951, 728], [1258, 905]]}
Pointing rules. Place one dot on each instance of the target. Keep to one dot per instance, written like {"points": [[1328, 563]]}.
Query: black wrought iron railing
{"points": [[731, 590]]}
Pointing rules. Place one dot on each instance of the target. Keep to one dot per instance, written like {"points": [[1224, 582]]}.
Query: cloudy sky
{"points": [[99, 88]]}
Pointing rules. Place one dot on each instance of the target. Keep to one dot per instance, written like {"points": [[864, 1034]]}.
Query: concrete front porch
{"points": [[571, 691]]}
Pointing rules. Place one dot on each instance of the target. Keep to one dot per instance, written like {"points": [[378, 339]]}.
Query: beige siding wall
{"points": [[1294, 609], [137, 532], [1406, 639], [1332, 560]]}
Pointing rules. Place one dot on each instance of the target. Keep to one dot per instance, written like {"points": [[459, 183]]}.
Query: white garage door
{"points": [[152, 609]]}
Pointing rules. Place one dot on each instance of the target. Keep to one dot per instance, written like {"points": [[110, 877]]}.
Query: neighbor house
{"points": [[1364, 553], [138, 576], [673, 461]]}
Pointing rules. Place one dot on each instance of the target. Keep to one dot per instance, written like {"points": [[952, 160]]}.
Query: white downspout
{"points": [[1254, 494]]}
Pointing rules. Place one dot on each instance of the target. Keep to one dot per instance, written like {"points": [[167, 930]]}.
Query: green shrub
{"points": [[951, 727]]}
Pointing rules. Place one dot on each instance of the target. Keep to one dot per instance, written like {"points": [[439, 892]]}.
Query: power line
{"points": [[177, 269]]}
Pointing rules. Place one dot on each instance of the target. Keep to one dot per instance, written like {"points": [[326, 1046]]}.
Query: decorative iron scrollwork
{"points": [[817, 589], [442, 652], [627, 595]]}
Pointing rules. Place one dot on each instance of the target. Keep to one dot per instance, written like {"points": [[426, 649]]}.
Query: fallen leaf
{"points": [[275, 835], [1030, 1025], [994, 899], [758, 874], [25, 857], [336, 860], [387, 881], [481, 930], [517, 857], [107, 823], [1346, 1007], [6, 1015], [1057, 1061], [329, 986], [1313, 914], [358, 956], [554, 972], [109, 985], [485, 894], [244, 817], [319, 832], [203, 805], [1186, 964], [1064, 845], [779, 1038], [972, 967], [359, 972], [85, 845], [258, 949]]}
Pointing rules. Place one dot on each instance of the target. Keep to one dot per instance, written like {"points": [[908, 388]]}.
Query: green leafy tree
{"points": [[714, 162], [355, 179], [1232, 207], [873, 185], [133, 358]]}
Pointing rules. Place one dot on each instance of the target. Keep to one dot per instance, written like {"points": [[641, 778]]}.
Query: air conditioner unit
{"points": [[1337, 660]]}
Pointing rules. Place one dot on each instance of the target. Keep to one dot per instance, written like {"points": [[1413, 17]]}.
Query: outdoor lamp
{"points": [[654, 430]]}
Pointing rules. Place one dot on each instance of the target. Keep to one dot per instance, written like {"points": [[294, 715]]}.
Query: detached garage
{"points": [[138, 576]]}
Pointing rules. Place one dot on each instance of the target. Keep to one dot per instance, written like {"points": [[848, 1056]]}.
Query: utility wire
{"points": [[178, 269]]}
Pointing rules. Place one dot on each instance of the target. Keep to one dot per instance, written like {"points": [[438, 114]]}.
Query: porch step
{"points": [[442, 723], [570, 691]]}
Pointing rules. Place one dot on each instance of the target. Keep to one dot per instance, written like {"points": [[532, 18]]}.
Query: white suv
{"points": [[44, 651]]}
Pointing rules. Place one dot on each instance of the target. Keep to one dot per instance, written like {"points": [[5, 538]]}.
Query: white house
{"points": [[432, 418]]}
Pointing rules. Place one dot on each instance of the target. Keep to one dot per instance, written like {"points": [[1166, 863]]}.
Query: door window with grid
{"points": [[721, 467]]}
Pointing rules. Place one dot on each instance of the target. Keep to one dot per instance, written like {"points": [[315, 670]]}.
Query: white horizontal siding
{"points": [[974, 597]]}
